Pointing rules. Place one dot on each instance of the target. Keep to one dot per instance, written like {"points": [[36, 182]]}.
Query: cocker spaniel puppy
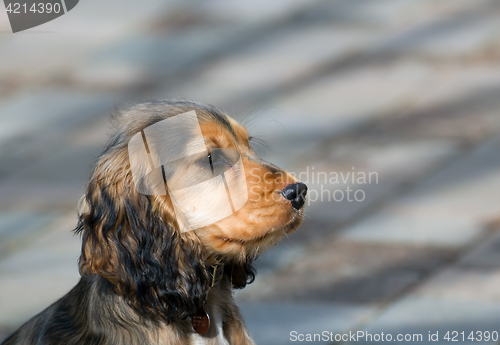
{"points": [[177, 208]]}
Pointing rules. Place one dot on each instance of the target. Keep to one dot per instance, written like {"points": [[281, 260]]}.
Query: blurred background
{"points": [[408, 90]]}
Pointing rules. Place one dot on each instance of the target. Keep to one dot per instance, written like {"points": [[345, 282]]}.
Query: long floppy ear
{"points": [[131, 240]]}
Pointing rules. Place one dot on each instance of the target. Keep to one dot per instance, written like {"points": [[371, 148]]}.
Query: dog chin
{"points": [[275, 235]]}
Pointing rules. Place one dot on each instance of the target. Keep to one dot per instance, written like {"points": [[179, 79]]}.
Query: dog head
{"points": [[141, 234]]}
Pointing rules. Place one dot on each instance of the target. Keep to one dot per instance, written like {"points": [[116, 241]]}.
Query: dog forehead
{"points": [[170, 139], [224, 134]]}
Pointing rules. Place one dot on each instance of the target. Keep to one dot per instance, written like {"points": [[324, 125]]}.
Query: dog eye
{"points": [[204, 163], [223, 159]]}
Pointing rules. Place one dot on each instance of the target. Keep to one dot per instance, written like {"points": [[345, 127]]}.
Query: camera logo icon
{"points": [[171, 158], [26, 14]]}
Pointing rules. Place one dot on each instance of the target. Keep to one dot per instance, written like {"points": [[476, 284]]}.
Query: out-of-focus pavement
{"points": [[406, 89]]}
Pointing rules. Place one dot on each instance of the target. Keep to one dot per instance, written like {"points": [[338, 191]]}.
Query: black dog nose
{"points": [[296, 193]]}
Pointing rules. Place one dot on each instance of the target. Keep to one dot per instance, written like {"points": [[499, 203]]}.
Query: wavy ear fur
{"points": [[131, 240], [240, 274]]}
